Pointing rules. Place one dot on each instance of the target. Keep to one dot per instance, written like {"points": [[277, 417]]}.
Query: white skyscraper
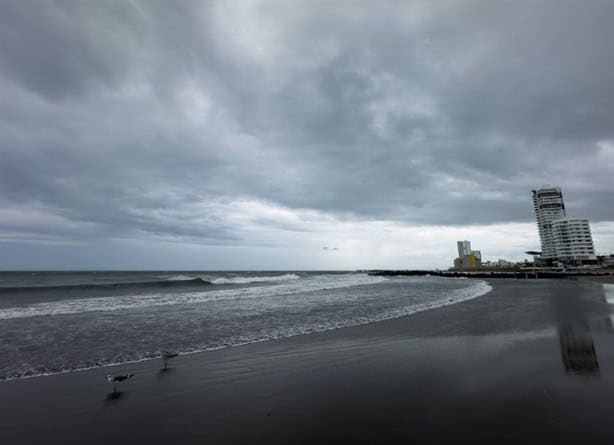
{"points": [[549, 206]]}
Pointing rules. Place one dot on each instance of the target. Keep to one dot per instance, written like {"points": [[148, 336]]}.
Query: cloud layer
{"points": [[242, 124]]}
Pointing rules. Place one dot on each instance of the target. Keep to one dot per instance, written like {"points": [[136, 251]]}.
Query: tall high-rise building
{"points": [[548, 205], [567, 240], [464, 248]]}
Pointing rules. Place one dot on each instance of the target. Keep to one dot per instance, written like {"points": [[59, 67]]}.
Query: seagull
{"points": [[118, 378], [166, 356]]}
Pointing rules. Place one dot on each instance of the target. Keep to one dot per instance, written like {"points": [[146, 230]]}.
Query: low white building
{"points": [[572, 239]]}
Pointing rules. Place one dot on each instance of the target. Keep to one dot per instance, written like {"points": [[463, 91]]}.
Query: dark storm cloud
{"points": [[124, 118]]}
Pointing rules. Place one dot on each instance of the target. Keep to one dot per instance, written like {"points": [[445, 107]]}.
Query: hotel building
{"points": [[572, 240], [548, 205], [563, 239]]}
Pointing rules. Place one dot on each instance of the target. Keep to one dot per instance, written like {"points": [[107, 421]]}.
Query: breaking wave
{"points": [[174, 282], [255, 279], [125, 302], [164, 282]]}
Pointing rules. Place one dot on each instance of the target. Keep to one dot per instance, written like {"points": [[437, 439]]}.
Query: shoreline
{"points": [[277, 339], [489, 369], [414, 310]]}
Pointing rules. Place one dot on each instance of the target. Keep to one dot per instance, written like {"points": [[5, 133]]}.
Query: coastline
{"points": [[471, 370], [498, 274]]}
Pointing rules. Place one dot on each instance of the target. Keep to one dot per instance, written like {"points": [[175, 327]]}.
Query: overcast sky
{"points": [[298, 135]]}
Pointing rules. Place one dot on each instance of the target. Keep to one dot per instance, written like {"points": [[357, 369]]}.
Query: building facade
{"points": [[467, 262], [467, 259], [548, 205], [572, 240], [464, 248]]}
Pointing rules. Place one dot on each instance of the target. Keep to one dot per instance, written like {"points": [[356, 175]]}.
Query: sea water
{"points": [[54, 322]]}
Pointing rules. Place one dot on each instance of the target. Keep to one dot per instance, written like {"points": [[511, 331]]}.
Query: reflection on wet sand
{"points": [[578, 349], [578, 352]]}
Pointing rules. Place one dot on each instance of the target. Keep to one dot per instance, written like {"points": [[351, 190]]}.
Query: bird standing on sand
{"points": [[166, 356], [118, 378]]}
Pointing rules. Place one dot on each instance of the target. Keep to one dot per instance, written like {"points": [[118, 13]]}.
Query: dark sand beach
{"points": [[530, 362], [608, 279]]}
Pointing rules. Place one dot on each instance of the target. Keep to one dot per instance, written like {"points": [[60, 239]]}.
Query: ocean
{"points": [[53, 322]]}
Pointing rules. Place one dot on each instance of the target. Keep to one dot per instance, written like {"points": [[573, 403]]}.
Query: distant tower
{"points": [[548, 205], [467, 258], [464, 248]]}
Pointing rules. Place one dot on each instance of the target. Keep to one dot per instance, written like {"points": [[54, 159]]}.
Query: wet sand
{"points": [[601, 278], [530, 362]]}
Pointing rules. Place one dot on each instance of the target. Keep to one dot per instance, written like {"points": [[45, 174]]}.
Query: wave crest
{"points": [[288, 285], [255, 279], [169, 282]]}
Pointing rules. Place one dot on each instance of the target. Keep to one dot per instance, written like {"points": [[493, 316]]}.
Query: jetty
{"points": [[518, 274]]}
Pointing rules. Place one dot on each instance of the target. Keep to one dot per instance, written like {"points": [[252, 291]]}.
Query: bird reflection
{"points": [[115, 395], [578, 349], [166, 356]]}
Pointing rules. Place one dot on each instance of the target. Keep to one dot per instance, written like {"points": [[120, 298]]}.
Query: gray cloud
{"points": [[132, 118]]}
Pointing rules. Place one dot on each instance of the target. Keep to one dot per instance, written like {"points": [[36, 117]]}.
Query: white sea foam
{"points": [[255, 279], [240, 279], [179, 278]]}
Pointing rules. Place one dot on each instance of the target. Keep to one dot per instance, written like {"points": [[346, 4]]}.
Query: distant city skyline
{"points": [[249, 136]]}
